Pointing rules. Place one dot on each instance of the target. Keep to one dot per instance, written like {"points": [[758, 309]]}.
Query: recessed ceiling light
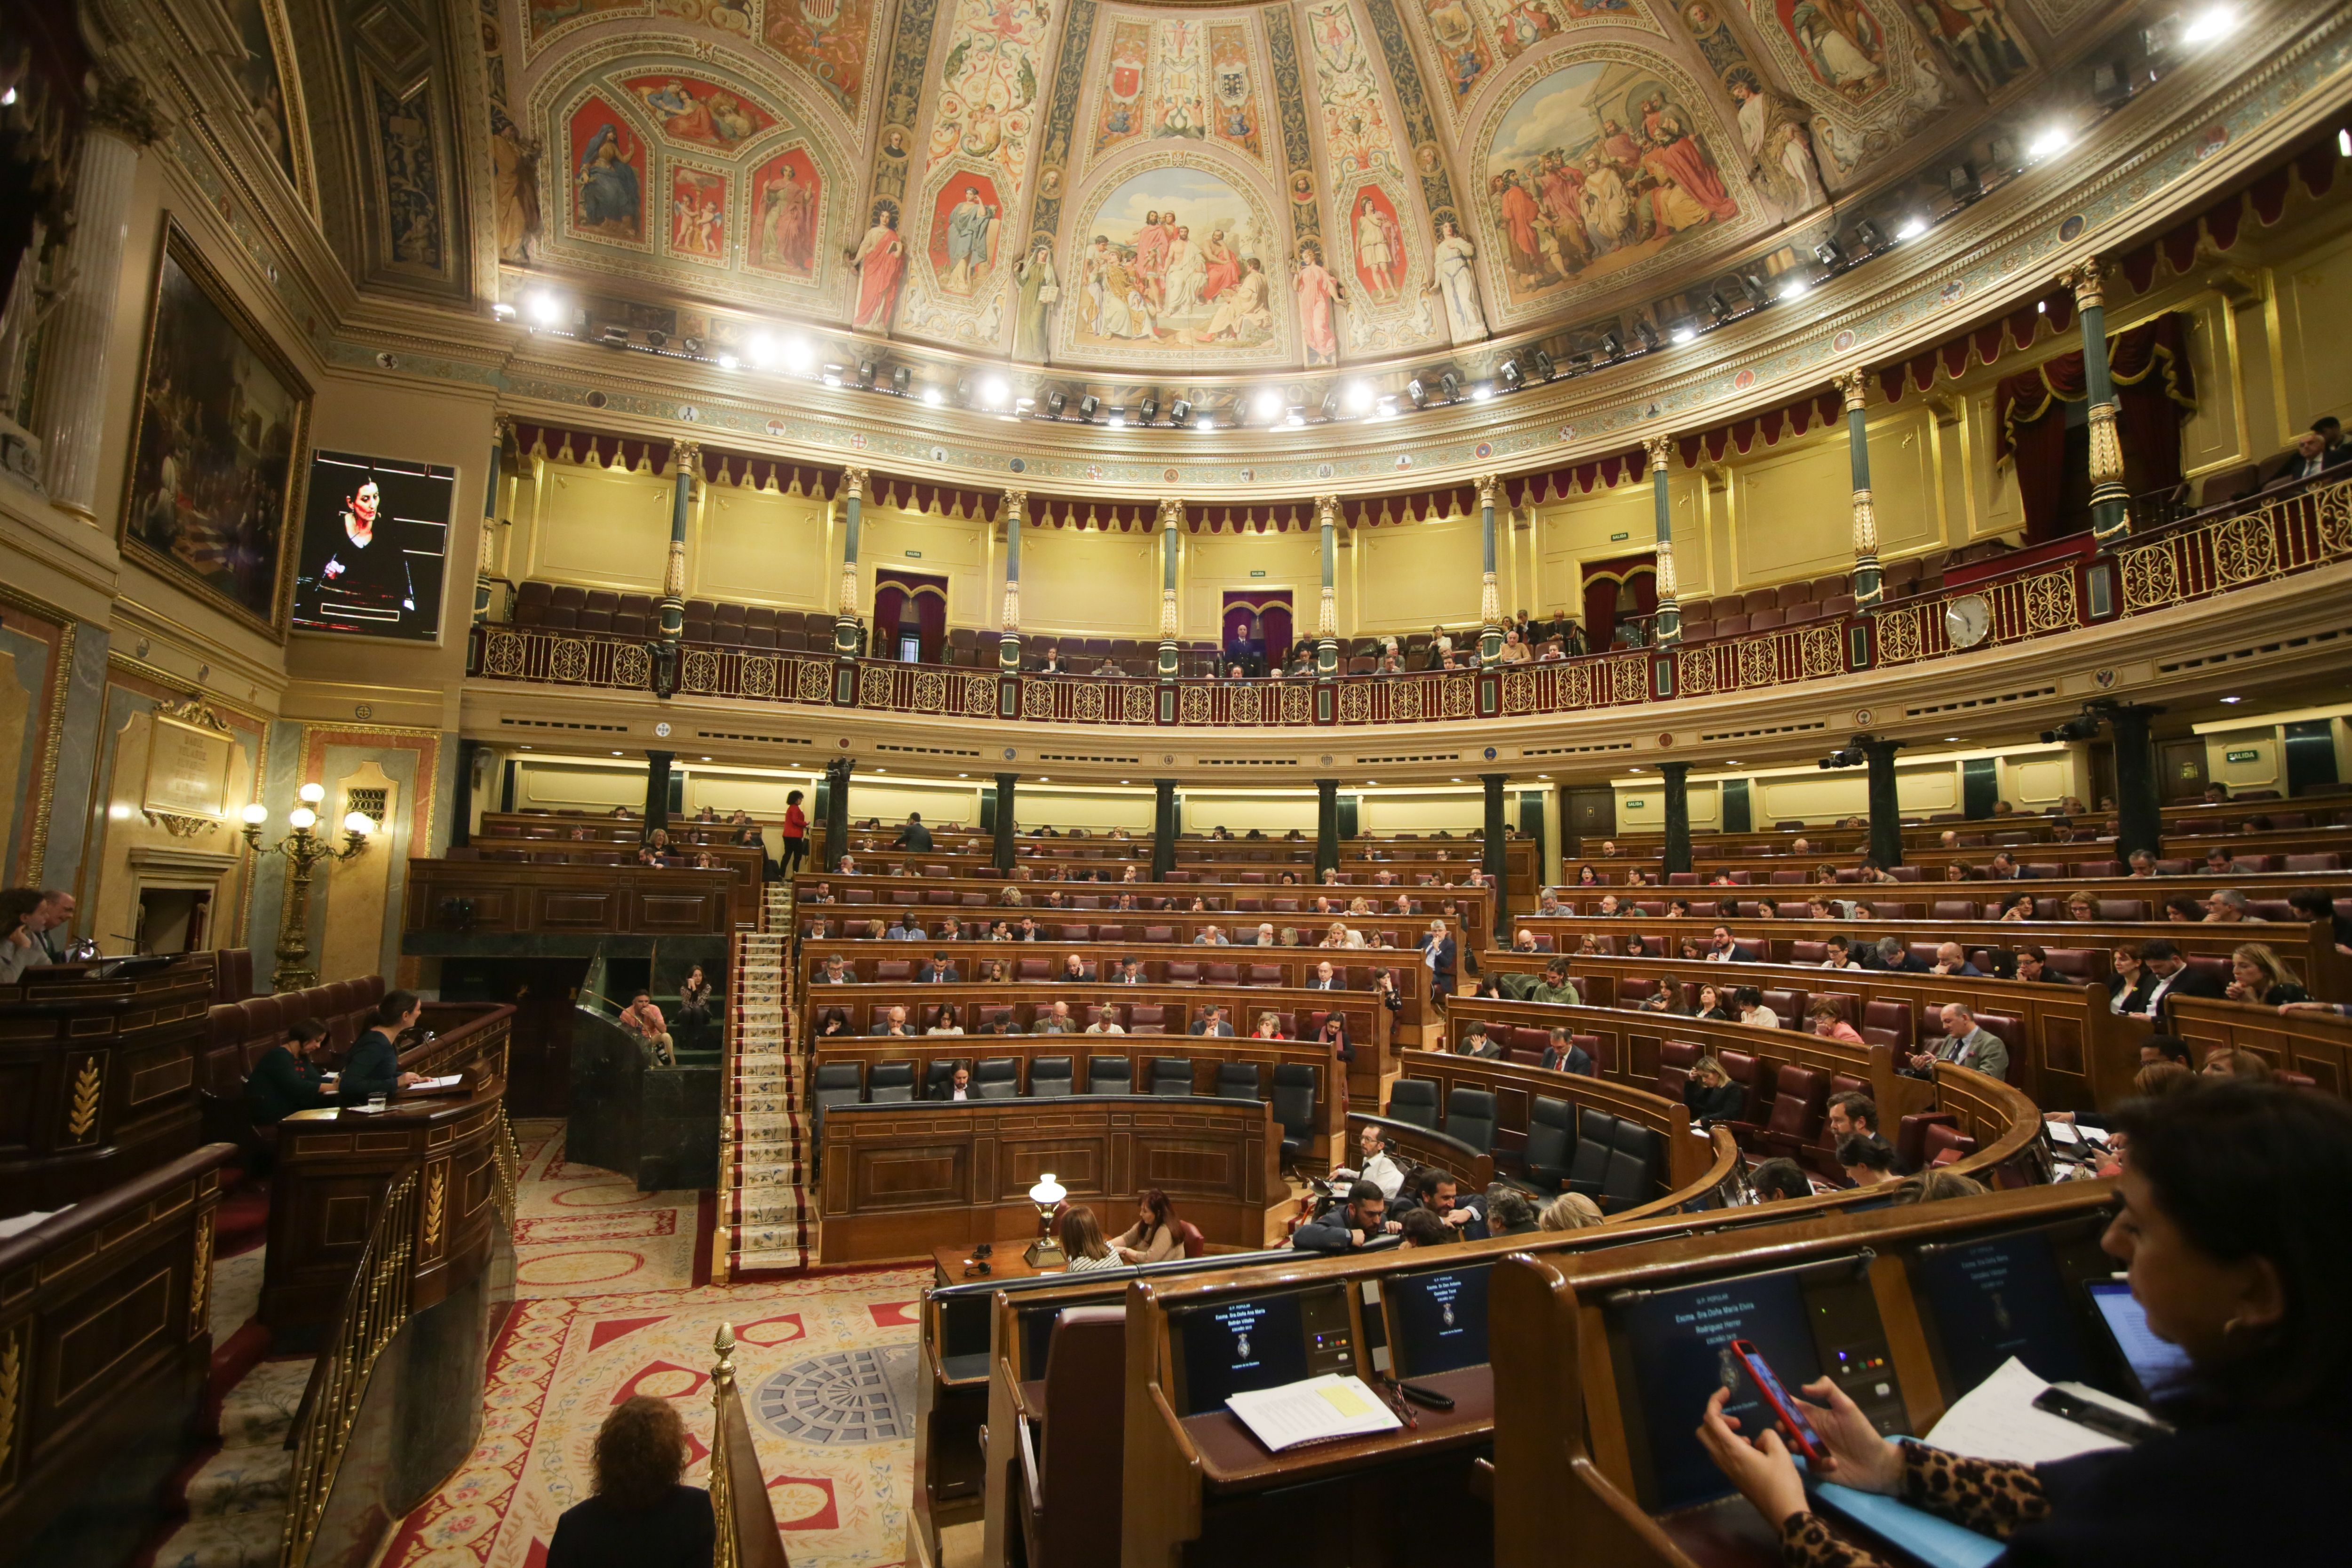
{"points": [[1683, 334], [706, 759], [2212, 23], [1795, 289], [1952, 737], [1913, 227], [798, 356], [2049, 140], [931, 395], [992, 391], [2233, 699], [617, 753]]}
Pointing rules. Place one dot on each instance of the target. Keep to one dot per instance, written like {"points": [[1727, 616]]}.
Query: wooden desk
{"points": [[334, 1167], [2317, 1044], [1005, 1264], [98, 1077], [897, 1178], [1233, 1460], [488, 907]]}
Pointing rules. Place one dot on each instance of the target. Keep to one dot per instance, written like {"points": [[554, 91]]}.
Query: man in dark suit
{"points": [[955, 1086], [1895, 958], [1130, 972], [2174, 978], [1723, 950], [1212, 1022], [1437, 955], [1476, 1042], [1564, 1055], [2310, 457], [289, 1078], [1347, 1227], [914, 836], [940, 971], [834, 971], [373, 1068], [1325, 978]]}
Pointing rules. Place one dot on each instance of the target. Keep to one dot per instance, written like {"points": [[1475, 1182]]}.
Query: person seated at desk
{"points": [[1210, 936], [1749, 1003], [1106, 1022], [1375, 1164], [2232, 1263], [1710, 1095], [1570, 1211], [2033, 966], [956, 1085], [639, 1516], [1556, 986], [2258, 975], [1153, 1237], [943, 1020], [1963, 1044], [289, 1077], [1055, 1020], [1476, 1042], [20, 941], [1508, 1211], [1346, 1227], [372, 1068], [1564, 1055], [1867, 1162], [1130, 972], [939, 970], [1074, 968], [1777, 1181], [1433, 1192], [1325, 978], [1213, 1022], [1419, 1227], [1269, 1027], [893, 1022], [1081, 1237], [1711, 1000], [1827, 1019]]}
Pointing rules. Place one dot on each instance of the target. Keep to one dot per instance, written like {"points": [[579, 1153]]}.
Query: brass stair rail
{"points": [[747, 1533]]}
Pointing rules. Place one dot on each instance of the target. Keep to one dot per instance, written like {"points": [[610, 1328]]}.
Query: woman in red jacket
{"points": [[795, 834]]}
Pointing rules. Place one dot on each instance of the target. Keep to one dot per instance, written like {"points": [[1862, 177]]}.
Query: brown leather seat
{"points": [[1073, 1457], [1800, 1102]]}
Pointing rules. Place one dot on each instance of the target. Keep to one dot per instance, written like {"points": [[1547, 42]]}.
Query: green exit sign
{"points": [[1637, 803], [914, 555], [1618, 538], [1257, 573], [2242, 756]]}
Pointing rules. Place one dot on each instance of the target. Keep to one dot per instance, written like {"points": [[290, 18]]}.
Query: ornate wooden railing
{"points": [[747, 1534], [2264, 539]]}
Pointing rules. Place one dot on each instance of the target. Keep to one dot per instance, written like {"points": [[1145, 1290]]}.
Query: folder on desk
{"points": [[1932, 1542], [1315, 1410]]}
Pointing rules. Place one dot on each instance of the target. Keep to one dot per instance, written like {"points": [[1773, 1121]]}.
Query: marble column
{"points": [[1007, 788], [848, 638], [1868, 588], [1163, 828], [1327, 605], [1669, 623], [836, 809], [1496, 863], [461, 794], [486, 549], [70, 396], [2139, 805], [657, 789], [1172, 528], [2110, 513], [1886, 810], [1490, 594], [686, 457], [1678, 844], [1327, 827], [1008, 655]]}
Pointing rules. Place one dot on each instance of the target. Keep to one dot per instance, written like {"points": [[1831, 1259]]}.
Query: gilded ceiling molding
{"points": [[1061, 122]]}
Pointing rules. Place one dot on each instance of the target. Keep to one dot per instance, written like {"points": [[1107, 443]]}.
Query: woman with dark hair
{"points": [[2133, 985], [1082, 1241], [832, 1021], [640, 1517], [1711, 1006], [694, 997], [1586, 876], [1153, 1237], [2242, 1256], [20, 947]]}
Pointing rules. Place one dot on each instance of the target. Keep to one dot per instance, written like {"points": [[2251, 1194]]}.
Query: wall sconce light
{"points": [[302, 849]]}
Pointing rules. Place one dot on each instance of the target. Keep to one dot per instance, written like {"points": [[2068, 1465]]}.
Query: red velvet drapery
{"points": [[1621, 587], [907, 602], [2155, 390]]}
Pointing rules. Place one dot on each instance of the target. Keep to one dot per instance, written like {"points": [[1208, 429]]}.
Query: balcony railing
{"points": [[2196, 558]]}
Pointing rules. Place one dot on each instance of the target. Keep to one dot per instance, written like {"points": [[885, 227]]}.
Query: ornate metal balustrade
{"points": [[2196, 558]]}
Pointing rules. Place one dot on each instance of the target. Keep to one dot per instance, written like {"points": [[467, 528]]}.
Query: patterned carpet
{"points": [[827, 1364]]}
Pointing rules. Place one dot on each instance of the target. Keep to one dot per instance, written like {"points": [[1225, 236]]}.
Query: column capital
{"points": [[2086, 278], [1487, 484], [1327, 511], [1171, 515], [1016, 505], [685, 455], [502, 428], [1855, 385], [1661, 449], [853, 484], [121, 103]]}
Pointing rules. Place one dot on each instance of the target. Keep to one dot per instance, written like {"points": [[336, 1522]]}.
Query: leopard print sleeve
{"points": [[1991, 1497], [1988, 1496]]}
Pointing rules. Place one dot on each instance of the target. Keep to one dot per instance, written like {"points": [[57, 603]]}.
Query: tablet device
{"points": [[2151, 1363]]}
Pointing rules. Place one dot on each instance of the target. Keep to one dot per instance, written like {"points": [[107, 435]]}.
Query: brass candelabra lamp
{"points": [[303, 848]]}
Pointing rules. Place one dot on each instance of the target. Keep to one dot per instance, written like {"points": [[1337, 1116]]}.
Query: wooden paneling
{"points": [[2317, 1044], [455, 900]]}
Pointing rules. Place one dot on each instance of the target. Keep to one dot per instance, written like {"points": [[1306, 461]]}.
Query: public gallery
{"points": [[1175, 784]]}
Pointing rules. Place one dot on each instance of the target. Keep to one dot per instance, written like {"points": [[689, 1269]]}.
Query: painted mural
{"points": [[608, 175], [1859, 64], [687, 109], [1355, 123], [698, 213], [1178, 79], [978, 155], [262, 83], [1123, 115], [787, 200], [829, 39], [1473, 39], [1175, 258], [1595, 169], [1233, 108], [1978, 37]]}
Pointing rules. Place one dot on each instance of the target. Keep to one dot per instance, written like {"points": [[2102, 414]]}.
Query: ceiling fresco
{"points": [[1140, 189]]}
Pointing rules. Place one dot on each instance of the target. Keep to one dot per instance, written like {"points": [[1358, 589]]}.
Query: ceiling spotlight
{"points": [[1648, 333], [832, 376], [1360, 396], [656, 338], [932, 396], [1795, 287], [1829, 255], [1451, 385], [964, 391], [1418, 391], [1612, 345], [1717, 308], [1180, 411], [1267, 404], [1117, 420], [1147, 411], [1482, 390], [2049, 140], [992, 392], [1508, 373], [1087, 406], [502, 311], [1331, 403], [1055, 402], [798, 356], [1295, 418], [615, 336], [1542, 363], [1960, 183], [1868, 232], [865, 374], [762, 350], [2213, 22], [1913, 227], [1682, 334], [901, 378], [726, 361], [1757, 289], [544, 310]]}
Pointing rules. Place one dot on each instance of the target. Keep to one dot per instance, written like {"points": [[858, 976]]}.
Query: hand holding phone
{"points": [[1790, 1415]]}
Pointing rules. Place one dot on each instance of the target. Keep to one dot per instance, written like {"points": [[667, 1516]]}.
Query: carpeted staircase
{"points": [[774, 1218]]}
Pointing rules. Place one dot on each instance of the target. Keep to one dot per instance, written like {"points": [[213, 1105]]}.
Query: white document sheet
{"points": [[1996, 1420], [1315, 1410]]}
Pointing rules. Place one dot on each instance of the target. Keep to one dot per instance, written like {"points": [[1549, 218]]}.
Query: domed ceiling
{"points": [[1139, 190]]}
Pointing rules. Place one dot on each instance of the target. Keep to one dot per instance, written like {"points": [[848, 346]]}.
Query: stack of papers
{"points": [[428, 1085], [1315, 1410], [1997, 1420]]}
